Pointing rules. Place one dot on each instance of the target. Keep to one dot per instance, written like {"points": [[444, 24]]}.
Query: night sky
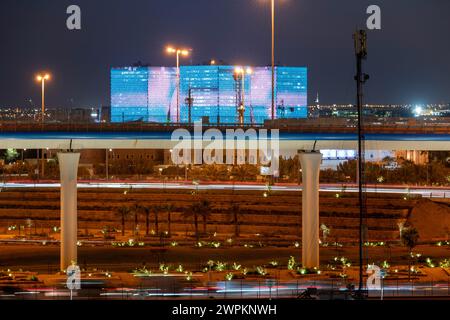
{"points": [[409, 59]]}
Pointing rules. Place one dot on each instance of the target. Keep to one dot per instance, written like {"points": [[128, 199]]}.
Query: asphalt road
{"points": [[425, 191]]}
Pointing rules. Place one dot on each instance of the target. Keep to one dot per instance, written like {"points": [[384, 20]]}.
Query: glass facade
{"points": [[150, 94], [129, 94]]}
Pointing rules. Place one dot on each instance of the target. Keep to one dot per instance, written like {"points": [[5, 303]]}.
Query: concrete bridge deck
{"points": [[389, 135]]}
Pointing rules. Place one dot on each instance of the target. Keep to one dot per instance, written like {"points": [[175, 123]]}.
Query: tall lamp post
{"points": [[273, 58], [42, 78], [178, 52], [240, 74]]}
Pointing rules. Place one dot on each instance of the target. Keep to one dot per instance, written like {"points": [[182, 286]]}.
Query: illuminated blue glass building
{"points": [[149, 94]]}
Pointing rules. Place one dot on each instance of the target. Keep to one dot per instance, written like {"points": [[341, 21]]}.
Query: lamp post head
{"points": [[171, 50], [179, 51], [44, 77]]}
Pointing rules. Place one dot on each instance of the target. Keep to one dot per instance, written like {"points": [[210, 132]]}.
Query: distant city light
{"points": [[418, 110]]}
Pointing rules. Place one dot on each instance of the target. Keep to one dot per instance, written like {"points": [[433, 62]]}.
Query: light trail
{"points": [[424, 192]]}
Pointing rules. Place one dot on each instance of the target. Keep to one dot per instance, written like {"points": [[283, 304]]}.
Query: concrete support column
{"points": [[310, 162], [68, 167]]}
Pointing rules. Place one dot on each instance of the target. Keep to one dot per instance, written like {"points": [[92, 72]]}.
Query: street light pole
{"points": [[178, 86], [240, 74], [43, 100], [273, 59], [178, 52], [42, 79]]}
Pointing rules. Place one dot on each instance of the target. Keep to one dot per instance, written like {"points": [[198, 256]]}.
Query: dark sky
{"points": [[409, 59]]}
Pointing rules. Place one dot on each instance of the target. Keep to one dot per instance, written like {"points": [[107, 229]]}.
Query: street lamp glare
{"points": [[185, 52], [242, 71], [42, 77]]}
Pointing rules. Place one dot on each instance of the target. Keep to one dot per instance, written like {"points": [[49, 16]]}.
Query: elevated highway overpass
{"points": [[302, 136]]}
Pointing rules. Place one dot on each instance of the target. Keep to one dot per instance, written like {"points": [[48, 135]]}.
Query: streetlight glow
{"points": [[40, 77], [242, 71], [170, 50]]}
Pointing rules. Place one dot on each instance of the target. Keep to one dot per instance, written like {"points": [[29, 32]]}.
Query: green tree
{"points": [[290, 168], [11, 155], [347, 169]]}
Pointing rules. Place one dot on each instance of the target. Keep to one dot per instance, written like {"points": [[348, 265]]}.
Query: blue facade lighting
{"points": [[149, 94]]}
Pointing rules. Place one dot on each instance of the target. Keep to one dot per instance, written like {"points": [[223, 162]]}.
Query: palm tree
{"points": [[205, 212], [146, 210], [123, 212], [136, 209], [235, 210], [410, 237], [169, 208], [194, 211], [156, 210]]}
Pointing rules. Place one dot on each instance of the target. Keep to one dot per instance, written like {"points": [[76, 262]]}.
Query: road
{"points": [[171, 287], [423, 191]]}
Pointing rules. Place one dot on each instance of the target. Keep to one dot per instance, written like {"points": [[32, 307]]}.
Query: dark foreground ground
{"points": [[46, 258], [108, 273]]}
